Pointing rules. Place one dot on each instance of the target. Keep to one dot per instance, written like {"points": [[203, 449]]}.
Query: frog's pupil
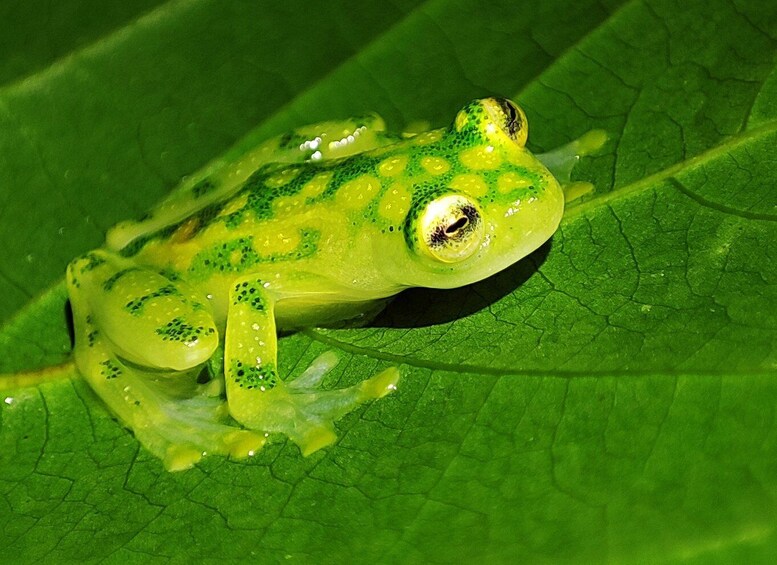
{"points": [[513, 122], [457, 225]]}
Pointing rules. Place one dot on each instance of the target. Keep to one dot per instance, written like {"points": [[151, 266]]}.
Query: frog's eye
{"points": [[510, 118], [450, 228]]}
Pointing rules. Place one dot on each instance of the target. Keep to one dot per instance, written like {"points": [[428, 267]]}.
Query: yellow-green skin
{"points": [[307, 228]]}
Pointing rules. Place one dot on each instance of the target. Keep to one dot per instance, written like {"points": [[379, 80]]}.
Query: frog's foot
{"points": [[170, 415], [306, 414], [183, 431]]}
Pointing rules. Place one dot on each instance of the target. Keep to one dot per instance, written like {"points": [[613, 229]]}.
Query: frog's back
{"points": [[378, 221]]}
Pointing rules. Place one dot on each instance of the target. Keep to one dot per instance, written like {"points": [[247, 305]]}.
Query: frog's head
{"points": [[495, 205]]}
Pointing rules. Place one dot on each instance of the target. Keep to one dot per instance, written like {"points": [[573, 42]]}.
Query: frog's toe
{"points": [[320, 366], [381, 384], [311, 438], [244, 443], [181, 457]]}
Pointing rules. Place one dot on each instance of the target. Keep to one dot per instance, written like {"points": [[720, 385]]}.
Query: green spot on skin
{"points": [[136, 305], [233, 256], [113, 279], [170, 274], [203, 187], [251, 294], [110, 369], [92, 262], [91, 337], [263, 377], [178, 329], [238, 256], [291, 140]]}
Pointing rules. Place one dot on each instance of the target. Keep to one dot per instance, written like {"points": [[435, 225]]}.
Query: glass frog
{"points": [[317, 225]]}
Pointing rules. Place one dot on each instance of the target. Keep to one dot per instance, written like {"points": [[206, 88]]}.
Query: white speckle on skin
{"points": [[8, 399]]}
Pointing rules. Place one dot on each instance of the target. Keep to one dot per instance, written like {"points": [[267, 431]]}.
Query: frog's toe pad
{"points": [[315, 372], [181, 457], [317, 438], [244, 443], [381, 384]]}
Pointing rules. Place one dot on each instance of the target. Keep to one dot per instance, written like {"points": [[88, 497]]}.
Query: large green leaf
{"points": [[612, 397]]}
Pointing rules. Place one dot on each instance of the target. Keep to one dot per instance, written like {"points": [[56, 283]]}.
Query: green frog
{"points": [[318, 225]]}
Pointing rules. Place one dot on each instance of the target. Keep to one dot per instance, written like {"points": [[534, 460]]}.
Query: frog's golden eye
{"points": [[511, 119], [450, 228]]}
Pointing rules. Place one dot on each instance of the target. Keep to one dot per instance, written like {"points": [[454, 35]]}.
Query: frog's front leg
{"points": [[260, 400], [562, 160], [141, 340]]}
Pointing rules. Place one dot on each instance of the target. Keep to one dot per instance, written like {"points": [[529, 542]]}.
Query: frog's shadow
{"points": [[421, 307]]}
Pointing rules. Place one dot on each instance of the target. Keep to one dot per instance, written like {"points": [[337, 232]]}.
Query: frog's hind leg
{"points": [[151, 320], [260, 400], [171, 415]]}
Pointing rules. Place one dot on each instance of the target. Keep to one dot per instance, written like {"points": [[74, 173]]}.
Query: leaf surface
{"points": [[610, 398]]}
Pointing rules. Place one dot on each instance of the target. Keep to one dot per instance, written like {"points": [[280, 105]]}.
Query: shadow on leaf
{"points": [[421, 307]]}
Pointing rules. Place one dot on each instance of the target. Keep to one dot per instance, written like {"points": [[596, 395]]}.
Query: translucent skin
{"points": [[310, 227]]}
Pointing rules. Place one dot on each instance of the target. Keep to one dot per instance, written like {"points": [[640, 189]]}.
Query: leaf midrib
{"points": [[669, 173], [564, 374]]}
